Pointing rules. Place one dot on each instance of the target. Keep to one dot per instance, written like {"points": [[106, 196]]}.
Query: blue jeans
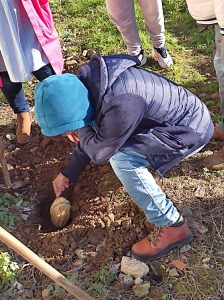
{"points": [[131, 168], [219, 68], [13, 91]]}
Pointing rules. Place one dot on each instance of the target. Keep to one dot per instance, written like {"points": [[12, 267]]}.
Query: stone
{"points": [[134, 267], [173, 272], [60, 212], [138, 281], [185, 248], [46, 293], [127, 280], [111, 216], [206, 260], [141, 290], [115, 268], [200, 192]]}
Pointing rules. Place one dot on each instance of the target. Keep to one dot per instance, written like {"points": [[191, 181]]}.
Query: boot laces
{"points": [[156, 236]]}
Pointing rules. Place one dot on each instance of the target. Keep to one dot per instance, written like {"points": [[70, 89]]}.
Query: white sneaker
{"points": [[163, 57], [141, 56]]}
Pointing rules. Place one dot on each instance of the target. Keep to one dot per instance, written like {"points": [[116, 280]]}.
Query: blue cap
{"points": [[62, 105]]}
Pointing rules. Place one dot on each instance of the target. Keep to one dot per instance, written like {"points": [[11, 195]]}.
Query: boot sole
{"points": [[147, 258]]}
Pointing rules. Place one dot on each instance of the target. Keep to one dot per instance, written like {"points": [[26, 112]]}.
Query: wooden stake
{"points": [[5, 171], [40, 264]]}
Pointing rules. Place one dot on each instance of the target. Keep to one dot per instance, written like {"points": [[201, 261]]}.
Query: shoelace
{"points": [[155, 236], [162, 51]]}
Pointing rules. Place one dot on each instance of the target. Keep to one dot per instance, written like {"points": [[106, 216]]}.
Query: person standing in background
{"points": [[211, 12], [28, 44], [122, 14]]}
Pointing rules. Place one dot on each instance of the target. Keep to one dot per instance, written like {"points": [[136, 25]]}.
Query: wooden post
{"points": [[43, 266], [5, 171]]}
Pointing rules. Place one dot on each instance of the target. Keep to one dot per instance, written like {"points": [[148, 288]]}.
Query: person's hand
{"points": [[60, 183]]}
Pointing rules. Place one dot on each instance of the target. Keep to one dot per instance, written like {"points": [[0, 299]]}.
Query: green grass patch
{"points": [[8, 270], [8, 206]]}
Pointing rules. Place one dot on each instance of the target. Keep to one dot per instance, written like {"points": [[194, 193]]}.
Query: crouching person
{"points": [[134, 118]]}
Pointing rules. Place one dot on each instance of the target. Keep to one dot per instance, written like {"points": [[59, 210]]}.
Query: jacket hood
{"points": [[102, 71]]}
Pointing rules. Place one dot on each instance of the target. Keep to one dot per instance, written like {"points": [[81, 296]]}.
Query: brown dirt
{"points": [[97, 198], [97, 195]]}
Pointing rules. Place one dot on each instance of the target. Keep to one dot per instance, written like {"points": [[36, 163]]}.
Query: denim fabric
{"points": [[219, 68], [131, 168], [14, 93]]}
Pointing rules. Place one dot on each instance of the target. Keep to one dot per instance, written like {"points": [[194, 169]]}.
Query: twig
{"points": [[5, 171]]}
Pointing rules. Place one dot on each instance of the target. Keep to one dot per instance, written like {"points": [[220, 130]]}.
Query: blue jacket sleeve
{"points": [[119, 121]]}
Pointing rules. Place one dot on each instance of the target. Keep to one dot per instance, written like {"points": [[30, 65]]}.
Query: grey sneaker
{"points": [[163, 57]]}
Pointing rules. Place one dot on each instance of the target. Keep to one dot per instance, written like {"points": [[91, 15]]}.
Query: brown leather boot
{"points": [[218, 134], [215, 161], [165, 240], [23, 131]]}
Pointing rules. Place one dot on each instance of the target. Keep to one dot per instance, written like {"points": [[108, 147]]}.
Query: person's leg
{"points": [[219, 68], [122, 14], [14, 94], [44, 72], [154, 21], [216, 160], [131, 169]]}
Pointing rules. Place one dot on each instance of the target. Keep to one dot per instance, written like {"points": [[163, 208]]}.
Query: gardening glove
{"points": [[60, 183]]}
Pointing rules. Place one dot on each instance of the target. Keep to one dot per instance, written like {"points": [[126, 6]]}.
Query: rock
{"points": [[173, 272], [138, 281], [127, 280], [134, 267], [115, 268], [46, 294], [141, 290], [206, 260], [200, 192], [60, 212], [111, 216], [185, 248]]}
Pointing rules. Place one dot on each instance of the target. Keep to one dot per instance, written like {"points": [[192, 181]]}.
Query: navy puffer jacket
{"points": [[138, 110]]}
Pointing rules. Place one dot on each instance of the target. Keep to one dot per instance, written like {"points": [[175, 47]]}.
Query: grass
{"points": [[8, 270], [8, 217]]}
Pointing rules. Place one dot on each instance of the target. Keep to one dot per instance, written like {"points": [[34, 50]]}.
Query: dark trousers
{"points": [[13, 91]]}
